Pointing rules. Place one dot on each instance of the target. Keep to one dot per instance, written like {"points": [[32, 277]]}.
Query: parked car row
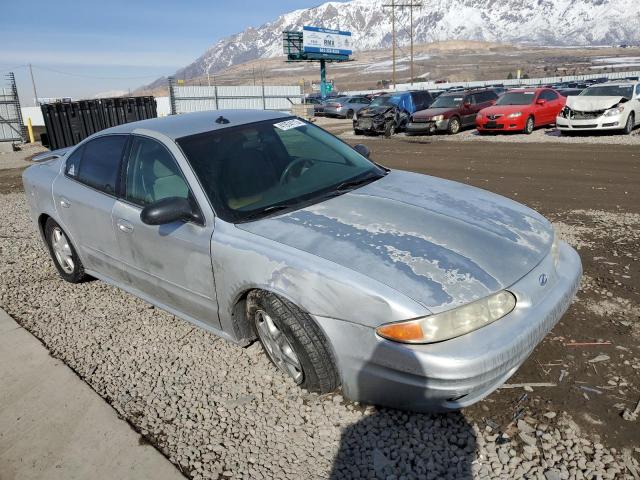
{"points": [[612, 105]]}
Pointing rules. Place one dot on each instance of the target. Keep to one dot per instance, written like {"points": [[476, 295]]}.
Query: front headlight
{"points": [[612, 112], [452, 323], [437, 118], [514, 115], [565, 112]]}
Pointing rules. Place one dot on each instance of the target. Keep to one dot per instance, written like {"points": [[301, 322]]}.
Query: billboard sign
{"points": [[325, 40]]}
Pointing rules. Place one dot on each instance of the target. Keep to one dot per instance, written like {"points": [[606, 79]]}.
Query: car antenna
{"points": [[222, 120]]}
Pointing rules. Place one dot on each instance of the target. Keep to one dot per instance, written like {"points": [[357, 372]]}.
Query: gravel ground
{"points": [[217, 410]]}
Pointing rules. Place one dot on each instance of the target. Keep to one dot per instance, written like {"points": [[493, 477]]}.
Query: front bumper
{"points": [[459, 372], [428, 127], [370, 124], [501, 124], [601, 123]]}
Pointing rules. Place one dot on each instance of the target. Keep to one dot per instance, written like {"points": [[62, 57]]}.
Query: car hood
{"points": [[439, 242], [431, 112], [373, 111], [587, 104], [505, 109]]}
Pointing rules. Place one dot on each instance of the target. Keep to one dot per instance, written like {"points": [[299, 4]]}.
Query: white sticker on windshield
{"points": [[529, 93], [289, 124], [457, 99]]}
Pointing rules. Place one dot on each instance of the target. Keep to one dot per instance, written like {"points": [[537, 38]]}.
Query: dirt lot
{"points": [[172, 383]]}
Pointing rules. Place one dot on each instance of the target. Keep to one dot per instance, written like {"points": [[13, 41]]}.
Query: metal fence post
{"points": [[172, 96], [264, 100], [215, 94]]}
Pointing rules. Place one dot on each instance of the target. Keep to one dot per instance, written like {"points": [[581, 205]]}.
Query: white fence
{"points": [[185, 99], [506, 82]]}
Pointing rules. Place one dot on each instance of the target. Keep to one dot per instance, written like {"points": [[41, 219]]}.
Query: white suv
{"points": [[606, 106]]}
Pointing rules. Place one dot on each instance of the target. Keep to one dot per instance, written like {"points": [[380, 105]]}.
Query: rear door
{"points": [[85, 196], [468, 109], [170, 264]]}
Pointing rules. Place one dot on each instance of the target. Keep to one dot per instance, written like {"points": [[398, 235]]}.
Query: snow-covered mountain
{"points": [[544, 22]]}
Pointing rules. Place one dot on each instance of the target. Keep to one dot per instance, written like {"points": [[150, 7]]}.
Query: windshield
{"points": [[609, 91], [383, 100], [447, 101], [252, 170], [516, 98]]}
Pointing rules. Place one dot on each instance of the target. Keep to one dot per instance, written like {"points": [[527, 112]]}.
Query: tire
{"points": [[628, 128], [302, 335], [454, 126], [357, 132], [63, 253], [529, 126], [390, 129], [349, 114]]}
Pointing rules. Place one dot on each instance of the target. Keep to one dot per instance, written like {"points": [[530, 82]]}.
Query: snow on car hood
{"points": [[439, 242], [584, 103]]}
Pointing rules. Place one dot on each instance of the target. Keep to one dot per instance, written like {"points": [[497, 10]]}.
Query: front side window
{"points": [[73, 162], [251, 170], [100, 162], [152, 173], [638, 89], [548, 95]]}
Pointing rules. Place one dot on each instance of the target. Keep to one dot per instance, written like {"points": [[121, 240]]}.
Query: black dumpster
{"points": [[68, 123]]}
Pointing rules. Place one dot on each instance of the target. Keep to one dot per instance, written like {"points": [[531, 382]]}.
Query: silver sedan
{"points": [[407, 290]]}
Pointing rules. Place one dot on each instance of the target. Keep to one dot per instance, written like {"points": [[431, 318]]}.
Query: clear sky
{"points": [[82, 48]]}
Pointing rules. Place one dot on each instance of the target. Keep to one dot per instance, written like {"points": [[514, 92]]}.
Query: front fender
{"points": [[243, 261]]}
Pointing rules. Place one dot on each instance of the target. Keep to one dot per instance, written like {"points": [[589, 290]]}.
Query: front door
{"points": [[85, 197], [171, 264]]}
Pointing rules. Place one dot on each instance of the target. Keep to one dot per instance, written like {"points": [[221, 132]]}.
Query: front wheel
{"points": [[454, 126], [528, 127], [390, 129], [63, 253], [628, 128], [293, 342], [349, 114]]}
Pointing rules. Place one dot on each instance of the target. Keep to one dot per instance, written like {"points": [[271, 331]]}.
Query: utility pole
{"points": [[33, 82], [411, 5]]}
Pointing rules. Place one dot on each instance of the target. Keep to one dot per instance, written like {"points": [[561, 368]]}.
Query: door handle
{"points": [[124, 226], [64, 203]]}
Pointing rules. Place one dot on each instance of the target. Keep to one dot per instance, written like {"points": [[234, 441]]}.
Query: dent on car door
{"points": [[84, 195], [171, 263]]}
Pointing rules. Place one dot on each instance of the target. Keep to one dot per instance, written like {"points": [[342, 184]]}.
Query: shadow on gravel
{"points": [[395, 444]]}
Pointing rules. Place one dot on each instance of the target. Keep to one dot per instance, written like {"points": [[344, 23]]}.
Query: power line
{"points": [[94, 76], [411, 5]]}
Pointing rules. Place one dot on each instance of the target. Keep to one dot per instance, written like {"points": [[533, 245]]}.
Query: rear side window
{"points": [[73, 162], [101, 161], [638, 89]]}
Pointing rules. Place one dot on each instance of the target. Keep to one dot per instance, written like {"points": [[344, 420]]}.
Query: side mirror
{"points": [[362, 150], [169, 210], [541, 101]]}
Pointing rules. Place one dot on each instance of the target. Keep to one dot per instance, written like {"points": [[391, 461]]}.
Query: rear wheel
{"points": [[628, 128], [454, 126], [63, 253], [529, 126], [349, 114], [293, 342]]}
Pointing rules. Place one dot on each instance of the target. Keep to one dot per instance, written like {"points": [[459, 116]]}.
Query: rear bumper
{"points": [[459, 372], [601, 123]]}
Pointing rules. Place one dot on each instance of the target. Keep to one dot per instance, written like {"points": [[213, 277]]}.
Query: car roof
{"points": [[183, 125], [616, 82]]}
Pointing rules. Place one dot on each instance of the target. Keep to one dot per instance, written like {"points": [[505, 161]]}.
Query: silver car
{"points": [[345, 107], [407, 290]]}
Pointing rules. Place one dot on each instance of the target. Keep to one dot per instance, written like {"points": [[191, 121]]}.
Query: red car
{"points": [[521, 111]]}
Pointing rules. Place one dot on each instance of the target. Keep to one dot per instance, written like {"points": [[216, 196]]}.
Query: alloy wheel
{"points": [[62, 250], [278, 347]]}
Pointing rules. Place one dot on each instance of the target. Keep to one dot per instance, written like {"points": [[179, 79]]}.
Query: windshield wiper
{"points": [[351, 184], [266, 211]]}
